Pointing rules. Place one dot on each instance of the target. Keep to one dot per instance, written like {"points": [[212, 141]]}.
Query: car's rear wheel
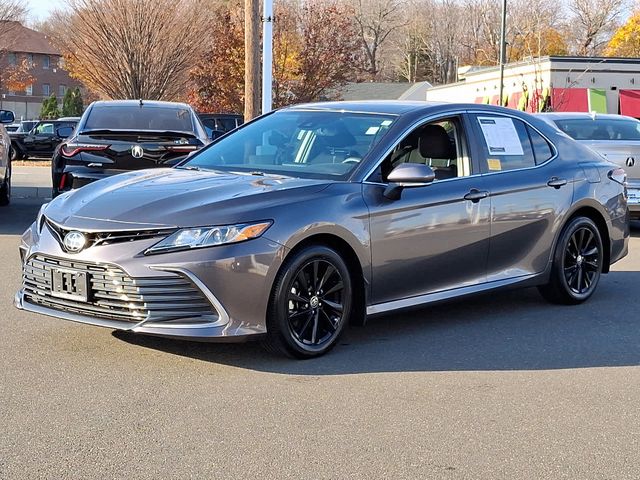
{"points": [[577, 263], [311, 302], [5, 188]]}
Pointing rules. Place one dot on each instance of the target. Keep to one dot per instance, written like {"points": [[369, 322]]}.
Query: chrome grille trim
{"points": [[113, 295], [108, 238]]}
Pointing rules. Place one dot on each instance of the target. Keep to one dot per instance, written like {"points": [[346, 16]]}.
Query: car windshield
{"points": [[600, 129], [312, 144], [135, 117]]}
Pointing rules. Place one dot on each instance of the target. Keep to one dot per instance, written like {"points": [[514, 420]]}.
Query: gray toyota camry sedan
{"points": [[316, 216]]}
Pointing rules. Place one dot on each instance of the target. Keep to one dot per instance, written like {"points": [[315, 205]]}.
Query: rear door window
{"points": [[542, 151], [509, 144]]}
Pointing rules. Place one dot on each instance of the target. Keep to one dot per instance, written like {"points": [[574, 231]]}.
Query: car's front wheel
{"points": [[577, 263], [311, 302]]}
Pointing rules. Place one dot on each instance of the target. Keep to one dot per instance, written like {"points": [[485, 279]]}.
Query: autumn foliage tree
{"points": [[626, 40], [217, 79], [131, 48], [17, 77], [315, 51]]}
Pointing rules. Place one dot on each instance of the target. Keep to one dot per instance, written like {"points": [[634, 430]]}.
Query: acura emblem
{"points": [[630, 161], [74, 241], [137, 151]]}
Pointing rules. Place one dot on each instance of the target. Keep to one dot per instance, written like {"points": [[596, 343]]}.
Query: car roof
{"points": [[401, 107], [583, 116], [396, 107], [220, 115], [145, 103]]}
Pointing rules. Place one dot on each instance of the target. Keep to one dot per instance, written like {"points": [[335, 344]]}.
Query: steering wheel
{"points": [[352, 160]]}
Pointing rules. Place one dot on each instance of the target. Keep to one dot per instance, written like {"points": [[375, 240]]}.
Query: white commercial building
{"points": [[568, 84]]}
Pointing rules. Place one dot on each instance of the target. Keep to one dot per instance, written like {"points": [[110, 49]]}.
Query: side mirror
{"points": [[7, 116], [215, 134], [408, 175]]}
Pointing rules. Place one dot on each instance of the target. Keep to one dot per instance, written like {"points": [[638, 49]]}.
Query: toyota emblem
{"points": [[630, 162], [74, 241], [137, 151]]}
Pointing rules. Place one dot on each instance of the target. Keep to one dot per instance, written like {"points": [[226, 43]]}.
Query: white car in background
{"points": [[615, 137]]}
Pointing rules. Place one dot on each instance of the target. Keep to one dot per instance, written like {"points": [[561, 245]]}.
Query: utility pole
{"points": [[503, 49], [267, 55], [251, 59]]}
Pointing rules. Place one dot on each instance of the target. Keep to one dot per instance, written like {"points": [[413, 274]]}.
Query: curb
{"points": [[31, 192]]}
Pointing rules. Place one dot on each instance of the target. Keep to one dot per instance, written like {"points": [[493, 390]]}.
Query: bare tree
{"points": [[11, 11], [592, 23], [131, 48], [376, 20]]}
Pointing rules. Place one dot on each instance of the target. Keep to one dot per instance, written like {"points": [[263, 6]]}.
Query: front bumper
{"points": [[240, 275], [207, 332]]}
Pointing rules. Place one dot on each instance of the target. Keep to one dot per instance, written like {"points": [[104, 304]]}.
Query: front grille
{"points": [[113, 295], [108, 238]]}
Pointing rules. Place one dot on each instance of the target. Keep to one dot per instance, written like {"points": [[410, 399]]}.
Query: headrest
{"points": [[434, 142]]}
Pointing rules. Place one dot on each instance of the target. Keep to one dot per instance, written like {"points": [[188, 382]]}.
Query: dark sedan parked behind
{"points": [[314, 216], [122, 135]]}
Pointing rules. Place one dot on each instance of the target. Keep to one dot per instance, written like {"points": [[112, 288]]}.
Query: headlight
{"points": [[188, 238]]}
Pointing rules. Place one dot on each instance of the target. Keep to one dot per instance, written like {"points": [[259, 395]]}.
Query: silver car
{"points": [[317, 216], [616, 137]]}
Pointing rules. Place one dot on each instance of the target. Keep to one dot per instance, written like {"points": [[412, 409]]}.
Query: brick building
{"points": [[47, 70]]}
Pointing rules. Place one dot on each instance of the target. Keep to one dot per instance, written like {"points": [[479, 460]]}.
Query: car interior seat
{"points": [[436, 150]]}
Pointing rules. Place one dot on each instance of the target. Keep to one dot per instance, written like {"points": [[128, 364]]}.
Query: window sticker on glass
{"points": [[500, 136], [386, 123], [494, 164], [372, 130]]}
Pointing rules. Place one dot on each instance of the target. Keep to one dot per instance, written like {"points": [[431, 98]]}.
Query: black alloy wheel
{"points": [[310, 304], [577, 263], [581, 260]]}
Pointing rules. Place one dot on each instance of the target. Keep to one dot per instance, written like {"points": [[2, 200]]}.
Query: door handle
{"points": [[476, 195], [556, 182]]}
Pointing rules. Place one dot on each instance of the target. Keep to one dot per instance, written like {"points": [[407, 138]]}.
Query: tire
{"points": [[5, 189], [577, 263], [311, 303], [13, 154]]}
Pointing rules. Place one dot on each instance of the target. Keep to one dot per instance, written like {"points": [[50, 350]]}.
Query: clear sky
{"points": [[40, 9]]}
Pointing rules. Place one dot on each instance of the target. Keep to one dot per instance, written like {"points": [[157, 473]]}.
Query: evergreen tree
{"points": [[72, 104], [67, 103], [50, 108], [78, 104]]}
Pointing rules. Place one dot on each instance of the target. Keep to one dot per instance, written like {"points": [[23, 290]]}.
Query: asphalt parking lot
{"points": [[499, 386]]}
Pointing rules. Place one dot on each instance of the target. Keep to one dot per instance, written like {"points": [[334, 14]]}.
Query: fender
{"points": [[584, 203]]}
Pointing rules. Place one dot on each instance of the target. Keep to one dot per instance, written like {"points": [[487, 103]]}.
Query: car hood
{"points": [[176, 198]]}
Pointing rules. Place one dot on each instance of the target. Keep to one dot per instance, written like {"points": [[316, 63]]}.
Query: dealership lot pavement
{"points": [[499, 386]]}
